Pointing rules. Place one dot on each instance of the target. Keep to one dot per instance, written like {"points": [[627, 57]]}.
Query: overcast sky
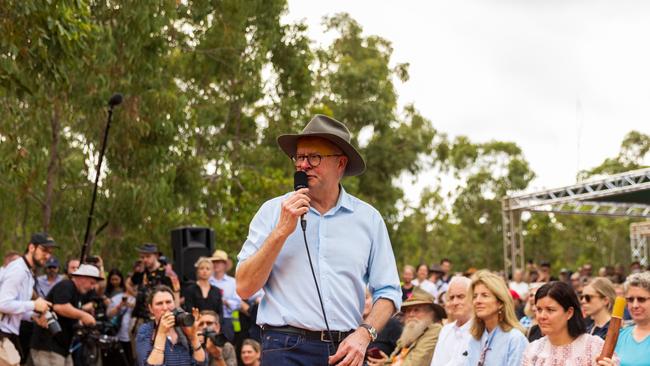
{"points": [[565, 80]]}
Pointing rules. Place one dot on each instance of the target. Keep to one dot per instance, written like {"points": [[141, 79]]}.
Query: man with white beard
{"points": [[422, 317], [455, 335]]}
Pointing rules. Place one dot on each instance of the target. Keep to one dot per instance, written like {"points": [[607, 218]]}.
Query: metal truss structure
{"points": [[621, 195], [639, 235]]}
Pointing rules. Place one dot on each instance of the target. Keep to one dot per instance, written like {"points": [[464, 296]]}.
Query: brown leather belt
{"points": [[318, 335]]}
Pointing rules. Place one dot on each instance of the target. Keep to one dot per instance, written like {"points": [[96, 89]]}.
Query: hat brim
{"points": [[89, 276], [356, 165], [439, 310]]}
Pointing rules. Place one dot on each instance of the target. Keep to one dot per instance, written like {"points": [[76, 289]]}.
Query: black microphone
{"points": [[116, 99], [300, 181]]}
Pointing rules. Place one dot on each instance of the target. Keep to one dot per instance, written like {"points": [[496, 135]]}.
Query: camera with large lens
{"points": [[217, 339], [183, 318], [52, 322]]}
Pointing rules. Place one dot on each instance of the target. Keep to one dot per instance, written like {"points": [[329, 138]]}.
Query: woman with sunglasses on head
{"points": [[597, 300], [565, 341], [633, 344], [497, 338]]}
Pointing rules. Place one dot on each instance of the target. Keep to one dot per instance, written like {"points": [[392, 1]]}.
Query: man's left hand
{"points": [[352, 350]]}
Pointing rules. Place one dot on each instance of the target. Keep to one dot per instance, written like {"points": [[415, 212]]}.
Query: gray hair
{"points": [[461, 280], [641, 280]]}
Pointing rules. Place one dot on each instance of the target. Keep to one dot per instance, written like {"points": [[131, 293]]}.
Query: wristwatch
{"points": [[371, 330]]}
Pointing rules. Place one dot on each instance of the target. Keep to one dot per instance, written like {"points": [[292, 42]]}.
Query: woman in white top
{"points": [[566, 341]]}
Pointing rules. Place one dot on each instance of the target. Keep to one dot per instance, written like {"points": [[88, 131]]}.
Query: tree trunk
{"points": [[52, 168]]}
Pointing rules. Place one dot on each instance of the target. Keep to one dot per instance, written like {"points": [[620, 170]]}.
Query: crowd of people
{"points": [[325, 292], [86, 316], [446, 318]]}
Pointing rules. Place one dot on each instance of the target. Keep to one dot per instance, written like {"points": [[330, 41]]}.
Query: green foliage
{"points": [[208, 87]]}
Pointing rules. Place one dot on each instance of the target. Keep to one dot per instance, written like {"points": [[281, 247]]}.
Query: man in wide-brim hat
{"points": [[422, 325], [349, 248]]}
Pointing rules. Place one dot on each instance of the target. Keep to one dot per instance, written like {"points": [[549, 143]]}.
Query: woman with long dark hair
{"points": [[119, 312], [565, 341]]}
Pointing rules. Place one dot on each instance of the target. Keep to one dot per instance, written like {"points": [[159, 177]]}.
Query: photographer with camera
{"points": [[220, 351], [50, 344], [16, 291], [152, 276], [162, 341]]}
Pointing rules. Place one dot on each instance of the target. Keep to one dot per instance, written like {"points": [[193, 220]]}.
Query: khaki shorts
{"points": [[48, 358], [9, 355]]}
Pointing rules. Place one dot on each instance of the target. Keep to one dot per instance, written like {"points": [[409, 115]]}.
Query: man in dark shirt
{"points": [[53, 349], [153, 275]]}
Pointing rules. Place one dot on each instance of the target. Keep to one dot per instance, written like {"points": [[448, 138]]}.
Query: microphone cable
{"points": [[303, 224]]}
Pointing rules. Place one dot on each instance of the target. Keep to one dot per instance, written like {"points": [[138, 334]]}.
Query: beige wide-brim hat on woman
{"points": [[331, 130]]}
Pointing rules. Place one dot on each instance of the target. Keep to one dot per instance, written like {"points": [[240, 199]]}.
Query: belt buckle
{"points": [[323, 337]]}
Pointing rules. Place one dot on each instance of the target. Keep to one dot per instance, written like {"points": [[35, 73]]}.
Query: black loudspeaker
{"points": [[188, 244]]}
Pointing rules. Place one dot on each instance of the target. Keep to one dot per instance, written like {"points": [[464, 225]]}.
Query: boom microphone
{"points": [[300, 181], [116, 99]]}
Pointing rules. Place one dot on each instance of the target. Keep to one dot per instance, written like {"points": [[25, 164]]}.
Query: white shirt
{"points": [[452, 342], [16, 288]]}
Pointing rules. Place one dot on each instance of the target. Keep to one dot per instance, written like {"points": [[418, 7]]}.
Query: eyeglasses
{"points": [[313, 159], [587, 298], [640, 299]]}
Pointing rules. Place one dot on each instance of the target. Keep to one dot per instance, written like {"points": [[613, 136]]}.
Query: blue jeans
{"points": [[294, 350]]}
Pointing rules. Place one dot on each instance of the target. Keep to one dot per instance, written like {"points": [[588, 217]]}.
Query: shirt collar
{"points": [[344, 201]]}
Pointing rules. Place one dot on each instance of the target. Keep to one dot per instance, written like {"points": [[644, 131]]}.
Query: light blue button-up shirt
{"points": [[350, 249], [229, 297], [503, 348]]}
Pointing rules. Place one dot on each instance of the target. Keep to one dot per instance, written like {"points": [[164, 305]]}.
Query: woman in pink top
{"points": [[566, 341]]}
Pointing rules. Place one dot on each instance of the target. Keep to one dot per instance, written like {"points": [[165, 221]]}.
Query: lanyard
{"points": [[487, 347]]}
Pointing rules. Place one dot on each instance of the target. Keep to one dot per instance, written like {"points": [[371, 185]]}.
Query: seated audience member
{"points": [[408, 274], [201, 294], [528, 320], [497, 337], [518, 284], [161, 341], [633, 345], [422, 317], [251, 353], [436, 274], [454, 336], [565, 340], [221, 352], [597, 300], [422, 280]]}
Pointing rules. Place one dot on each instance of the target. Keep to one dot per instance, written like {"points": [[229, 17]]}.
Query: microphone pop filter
{"points": [[299, 180]]}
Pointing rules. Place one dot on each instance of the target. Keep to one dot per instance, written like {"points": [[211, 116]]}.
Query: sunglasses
{"points": [[587, 298], [640, 299]]}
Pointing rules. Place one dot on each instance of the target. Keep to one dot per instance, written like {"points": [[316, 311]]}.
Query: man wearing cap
{"points": [[349, 247], [17, 288], [153, 274], [53, 349], [422, 318], [50, 278], [226, 284], [436, 274]]}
